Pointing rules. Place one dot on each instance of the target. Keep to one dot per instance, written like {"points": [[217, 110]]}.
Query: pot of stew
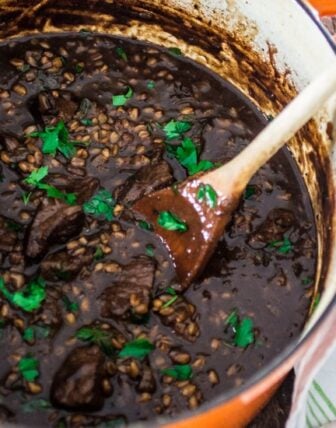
{"points": [[103, 102]]}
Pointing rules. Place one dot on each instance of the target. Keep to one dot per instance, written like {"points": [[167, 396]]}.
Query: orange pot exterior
{"points": [[324, 7]]}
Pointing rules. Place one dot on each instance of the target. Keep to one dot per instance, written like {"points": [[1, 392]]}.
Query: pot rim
{"points": [[292, 348]]}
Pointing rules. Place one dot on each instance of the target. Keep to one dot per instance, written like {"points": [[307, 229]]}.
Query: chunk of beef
{"points": [[273, 228], [180, 316], [77, 385], [8, 237], [144, 181], [54, 223], [130, 291], [83, 187], [62, 265], [46, 106]]}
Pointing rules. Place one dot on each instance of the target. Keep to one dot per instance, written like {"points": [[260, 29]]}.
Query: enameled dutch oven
{"points": [[269, 49]]}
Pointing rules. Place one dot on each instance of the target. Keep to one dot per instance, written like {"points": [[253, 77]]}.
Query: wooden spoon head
{"points": [[190, 250]]}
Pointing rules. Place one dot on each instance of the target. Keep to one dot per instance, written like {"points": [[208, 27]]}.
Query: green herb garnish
{"points": [[96, 335], [138, 348], [169, 221], [12, 225], [316, 301], [36, 332], [35, 179], [186, 154], [121, 53], [100, 205], [26, 197], [171, 291], [144, 225], [99, 254], [243, 330], [170, 301], [86, 122], [307, 281], [208, 194], [283, 247], [150, 250], [29, 298], [29, 368], [179, 372], [120, 100], [175, 51], [176, 128], [56, 138], [150, 84], [69, 305], [79, 68], [249, 191]]}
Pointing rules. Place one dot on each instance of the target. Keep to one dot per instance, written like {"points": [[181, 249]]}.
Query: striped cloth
{"points": [[314, 396]]}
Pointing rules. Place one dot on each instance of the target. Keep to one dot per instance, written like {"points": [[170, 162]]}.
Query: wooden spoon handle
{"points": [[240, 169]]}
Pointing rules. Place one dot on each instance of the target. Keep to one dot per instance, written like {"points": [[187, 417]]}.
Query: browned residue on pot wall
{"points": [[207, 40]]}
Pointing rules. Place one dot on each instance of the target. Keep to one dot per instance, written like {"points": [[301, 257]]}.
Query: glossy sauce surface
{"points": [[118, 273]]}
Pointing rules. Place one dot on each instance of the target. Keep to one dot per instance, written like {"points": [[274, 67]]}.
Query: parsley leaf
{"points": [[29, 368], [86, 122], [121, 53], [150, 250], [35, 179], [120, 100], [316, 301], [170, 301], [138, 348], [207, 193], [96, 335], [243, 329], [249, 191], [99, 254], [176, 128], [144, 225], [26, 197], [150, 84], [69, 305], [36, 176], [36, 332], [56, 138], [307, 280], [283, 247], [179, 372], [100, 205], [175, 51], [186, 154], [29, 298], [169, 221]]}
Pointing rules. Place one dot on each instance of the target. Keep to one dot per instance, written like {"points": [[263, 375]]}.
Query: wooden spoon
{"points": [[190, 250]]}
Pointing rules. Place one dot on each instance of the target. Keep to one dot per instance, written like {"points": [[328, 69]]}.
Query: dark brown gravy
{"points": [[45, 79]]}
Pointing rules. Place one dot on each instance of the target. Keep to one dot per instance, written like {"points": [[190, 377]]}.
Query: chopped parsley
{"points": [[120, 100], [175, 51], [208, 194], [29, 298], [242, 329], [179, 372], [86, 122], [169, 221], [29, 368], [283, 247], [316, 301], [249, 191], [98, 255], [26, 197], [98, 336], [35, 179], [138, 348], [186, 154], [79, 67], [144, 225], [36, 332], [150, 84], [69, 305], [307, 280], [56, 138], [176, 128], [170, 301], [121, 53], [150, 250], [100, 205]]}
